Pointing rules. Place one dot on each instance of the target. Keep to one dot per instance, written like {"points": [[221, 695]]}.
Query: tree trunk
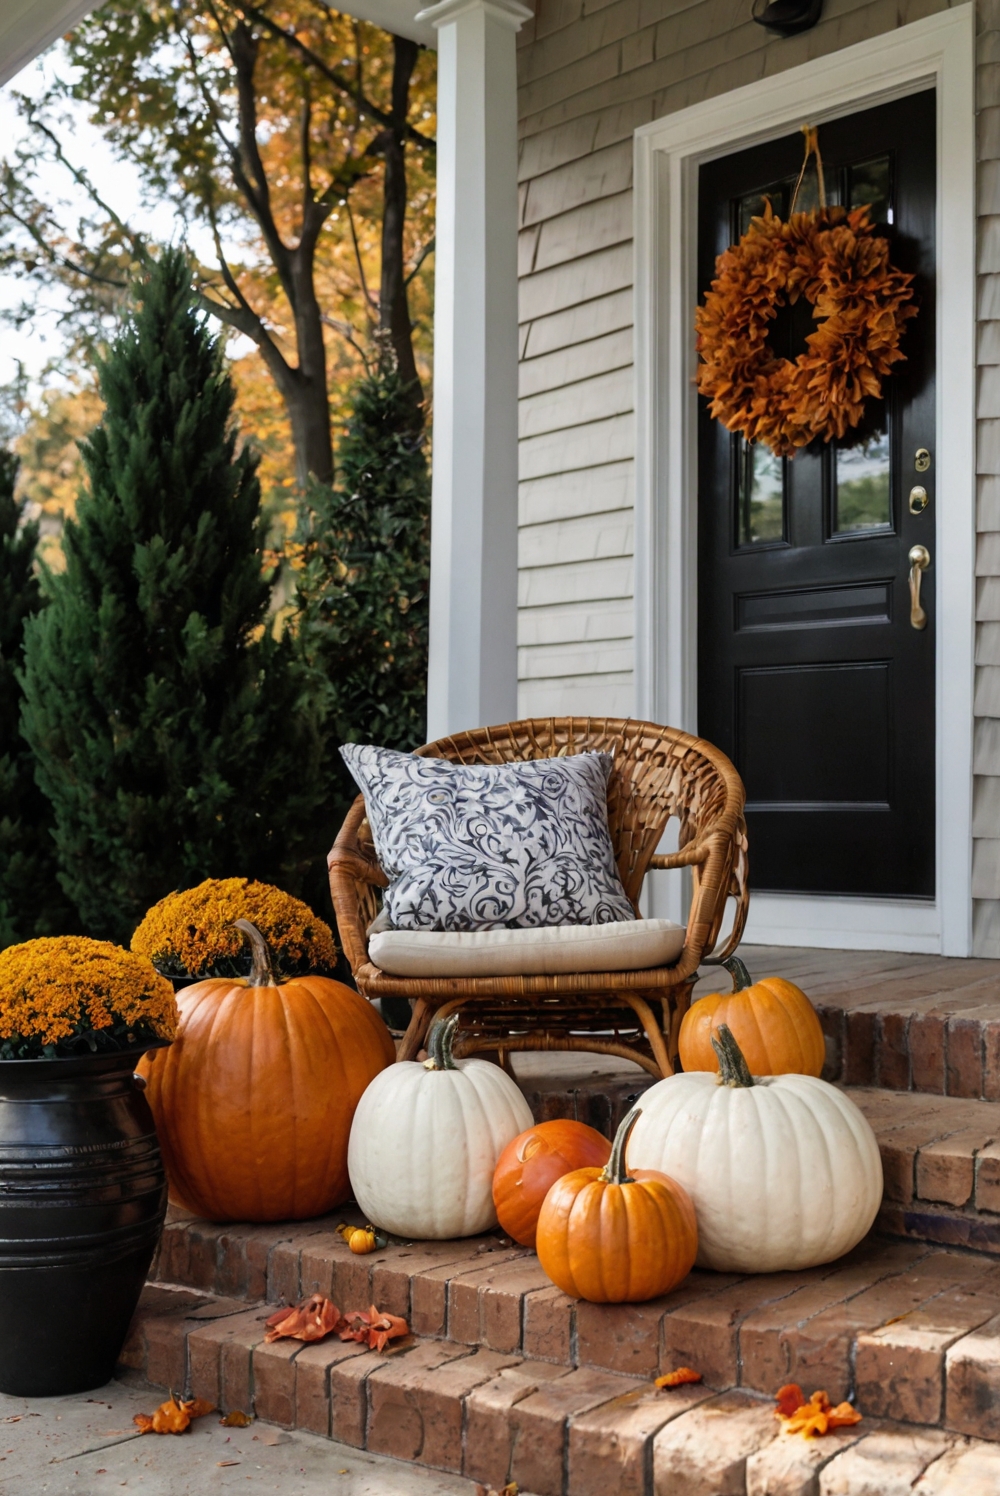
{"points": [[309, 413], [394, 311]]}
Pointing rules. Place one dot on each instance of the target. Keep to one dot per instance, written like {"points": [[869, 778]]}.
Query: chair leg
{"points": [[416, 1033], [652, 1030], [679, 1006]]}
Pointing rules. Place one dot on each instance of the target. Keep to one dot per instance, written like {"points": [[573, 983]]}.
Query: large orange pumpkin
{"points": [[254, 1099], [772, 1021], [531, 1164], [615, 1239]]}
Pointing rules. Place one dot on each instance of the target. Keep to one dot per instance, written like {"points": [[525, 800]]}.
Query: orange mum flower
{"points": [[190, 933], [63, 994]]}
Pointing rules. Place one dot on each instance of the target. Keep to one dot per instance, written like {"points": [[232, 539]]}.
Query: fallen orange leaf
{"points": [[173, 1416], [236, 1419], [678, 1378], [815, 1417], [789, 1398], [372, 1328], [312, 1319]]}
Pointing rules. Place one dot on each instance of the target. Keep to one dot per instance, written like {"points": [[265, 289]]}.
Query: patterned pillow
{"points": [[479, 846]]}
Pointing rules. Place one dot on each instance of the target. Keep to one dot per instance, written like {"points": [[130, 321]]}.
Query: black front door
{"points": [[811, 675]]}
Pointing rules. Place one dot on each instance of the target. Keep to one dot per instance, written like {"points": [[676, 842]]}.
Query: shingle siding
{"points": [[590, 73], [986, 788]]}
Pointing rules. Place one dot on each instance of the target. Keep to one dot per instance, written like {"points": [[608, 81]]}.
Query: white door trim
{"points": [[939, 51]]}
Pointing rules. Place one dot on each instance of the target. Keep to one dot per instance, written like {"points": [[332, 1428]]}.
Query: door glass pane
{"points": [[871, 183], [754, 204], [863, 494], [761, 495]]}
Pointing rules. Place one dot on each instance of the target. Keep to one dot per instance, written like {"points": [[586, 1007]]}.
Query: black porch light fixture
{"points": [[786, 17]]}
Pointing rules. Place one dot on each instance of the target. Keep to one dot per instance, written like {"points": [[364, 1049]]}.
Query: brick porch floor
{"points": [[507, 1379]]}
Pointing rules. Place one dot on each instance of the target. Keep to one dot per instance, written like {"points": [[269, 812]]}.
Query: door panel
{"points": [[810, 675]]}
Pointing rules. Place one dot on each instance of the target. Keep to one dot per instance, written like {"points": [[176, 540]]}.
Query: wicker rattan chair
{"points": [[659, 772]]}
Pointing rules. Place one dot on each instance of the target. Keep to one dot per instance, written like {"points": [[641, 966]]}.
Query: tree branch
{"points": [[52, 255], [372, 307], [257, 192], [83, 180], [333, 76], [306, 150], [347, 332], [428, 249]]}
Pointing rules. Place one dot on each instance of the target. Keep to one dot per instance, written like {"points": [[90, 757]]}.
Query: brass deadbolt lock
{"points": [[918, 500], [922, 460]]}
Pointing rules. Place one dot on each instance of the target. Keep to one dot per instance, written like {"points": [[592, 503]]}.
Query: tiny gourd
{"points": [[253, 1101], [784, 1170], [426, 1139], [613, 1237], [531, 1164], [773, 1022]]}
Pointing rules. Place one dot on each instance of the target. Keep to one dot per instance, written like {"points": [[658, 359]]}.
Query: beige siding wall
{"points": [[986, 800], [589, 74]]}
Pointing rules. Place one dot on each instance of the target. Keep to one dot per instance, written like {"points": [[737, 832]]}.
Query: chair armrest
{"points": [[353, 878], [687, 856]]}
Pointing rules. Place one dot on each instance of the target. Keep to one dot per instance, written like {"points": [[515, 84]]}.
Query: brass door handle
{"points": [[920, 559]]}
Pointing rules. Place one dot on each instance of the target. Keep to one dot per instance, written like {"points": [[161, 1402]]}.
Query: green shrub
{"points": [[175, 735]]}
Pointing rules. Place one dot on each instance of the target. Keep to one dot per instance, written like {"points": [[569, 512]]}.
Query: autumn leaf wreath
{"points": [[836, 259]]}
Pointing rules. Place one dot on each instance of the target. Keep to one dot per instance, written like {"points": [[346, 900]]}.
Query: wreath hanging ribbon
{"points": [[837, 260]]}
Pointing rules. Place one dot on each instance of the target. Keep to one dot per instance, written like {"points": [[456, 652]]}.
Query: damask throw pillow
{"points": [[482, 846]]}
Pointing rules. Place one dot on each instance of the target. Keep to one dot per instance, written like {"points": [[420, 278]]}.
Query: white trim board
{"points": [[938, 51]]}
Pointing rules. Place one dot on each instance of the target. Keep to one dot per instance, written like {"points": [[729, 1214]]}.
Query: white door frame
{"points": [[939, 51]]}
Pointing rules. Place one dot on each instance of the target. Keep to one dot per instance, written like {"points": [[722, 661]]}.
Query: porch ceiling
{"points": [[27, 27]]}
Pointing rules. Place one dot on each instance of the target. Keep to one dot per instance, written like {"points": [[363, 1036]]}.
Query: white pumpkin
{"points": [[426, 1138], [784, 1170]]}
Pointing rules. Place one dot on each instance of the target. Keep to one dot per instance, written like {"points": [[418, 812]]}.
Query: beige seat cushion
{"points": [[632, 945]]}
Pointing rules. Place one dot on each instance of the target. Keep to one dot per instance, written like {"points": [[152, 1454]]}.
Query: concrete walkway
{"points": [[86, 1445]]}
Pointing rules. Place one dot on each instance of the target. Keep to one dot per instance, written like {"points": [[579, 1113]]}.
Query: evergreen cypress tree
{"points": [[172, 729], [363, 588], [31, 900]]}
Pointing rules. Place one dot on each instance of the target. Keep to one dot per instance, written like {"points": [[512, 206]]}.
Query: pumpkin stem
{"points": [[733, 1068], [737, 970], [439, 1044], [261, 969], [614, 1170]]}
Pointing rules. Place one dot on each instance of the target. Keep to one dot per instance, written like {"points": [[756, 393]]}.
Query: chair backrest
{"points": [[659, 772]]}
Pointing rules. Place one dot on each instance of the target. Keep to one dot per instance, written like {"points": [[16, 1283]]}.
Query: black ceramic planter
{"points": [[82, 1199]]}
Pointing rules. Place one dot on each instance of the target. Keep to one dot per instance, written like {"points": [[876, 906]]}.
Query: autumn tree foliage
{"points": [[294, 140], [171, 728]]}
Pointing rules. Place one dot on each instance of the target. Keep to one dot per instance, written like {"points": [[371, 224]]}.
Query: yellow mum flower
{"points": [[190, 933], [65, 994]]}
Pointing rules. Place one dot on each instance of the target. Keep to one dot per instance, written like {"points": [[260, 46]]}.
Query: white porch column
{"points": [[472, 678]]}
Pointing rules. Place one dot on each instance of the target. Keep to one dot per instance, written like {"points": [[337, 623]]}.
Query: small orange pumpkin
{"points": [[532, 1162], [614, 1239], [772, 1021], [254, 1099]]}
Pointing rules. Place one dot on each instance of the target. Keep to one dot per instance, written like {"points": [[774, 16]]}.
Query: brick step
{"points": [[900, 1022], [911, 1329], [940, 1157], [940, 1154], [920, 1024], [591, 1430], [941, 1165]]}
